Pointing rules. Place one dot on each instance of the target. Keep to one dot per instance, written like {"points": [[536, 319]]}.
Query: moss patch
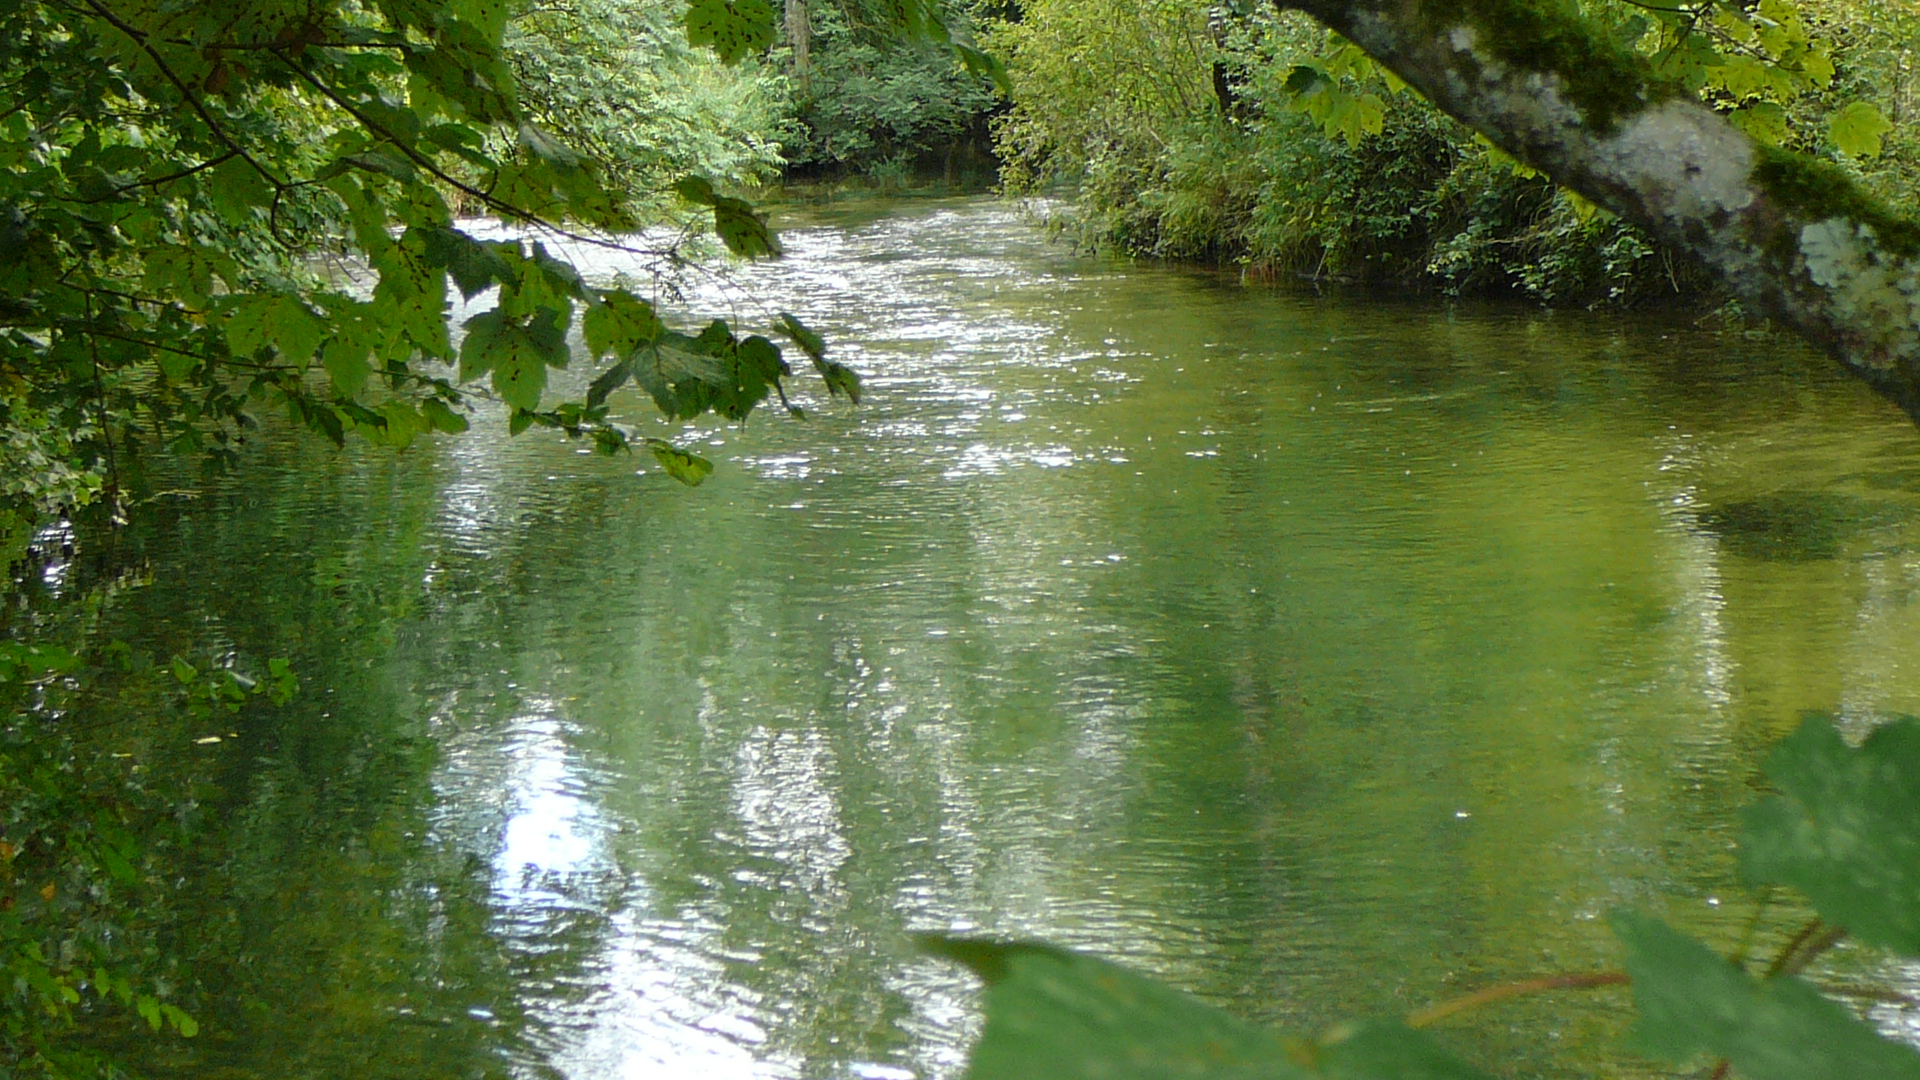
{"points": [[1818, 191], [1604, 80]]}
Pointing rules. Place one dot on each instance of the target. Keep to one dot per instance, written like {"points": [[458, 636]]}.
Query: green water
{"points": [[1324, 656]]}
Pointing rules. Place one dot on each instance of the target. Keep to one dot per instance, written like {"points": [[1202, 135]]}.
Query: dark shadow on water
{"points": [[1796, 526]]}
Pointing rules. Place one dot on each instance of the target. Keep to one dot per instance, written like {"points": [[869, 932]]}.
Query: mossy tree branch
{"points": [[1792, 237]]}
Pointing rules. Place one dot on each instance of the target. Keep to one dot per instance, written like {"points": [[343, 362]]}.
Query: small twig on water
{"points": [[1436, 1013]]}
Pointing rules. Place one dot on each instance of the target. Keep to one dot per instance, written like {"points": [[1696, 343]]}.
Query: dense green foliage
{"points": [[1255, 137], [169, 210], [870, 103], [621, 83], [1844, 831]]}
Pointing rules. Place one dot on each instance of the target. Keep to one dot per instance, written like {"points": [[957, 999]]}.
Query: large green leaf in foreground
{"points": [[1693, 1002], [1057, 1015], [1845, 830]]}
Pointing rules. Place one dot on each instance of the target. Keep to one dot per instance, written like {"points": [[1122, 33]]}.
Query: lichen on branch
{"points": [[1797, 239]]}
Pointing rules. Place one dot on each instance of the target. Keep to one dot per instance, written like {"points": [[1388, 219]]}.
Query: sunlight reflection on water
{"points": [[1323, 658]]}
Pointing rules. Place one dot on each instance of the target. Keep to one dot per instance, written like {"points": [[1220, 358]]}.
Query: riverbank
{"points": [[1244, 137]]}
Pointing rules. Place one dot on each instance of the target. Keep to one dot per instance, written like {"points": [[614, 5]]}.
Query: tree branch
{"points": [[192, 99], [427, 165], [1792, 237], [158, 181]]}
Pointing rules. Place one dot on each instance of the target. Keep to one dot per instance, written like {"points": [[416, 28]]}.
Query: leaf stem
{"points": [[1753, 927], [1801, 949], [1435, 1013], [1827, 939]]}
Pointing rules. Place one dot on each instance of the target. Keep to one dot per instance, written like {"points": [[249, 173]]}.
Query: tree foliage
{"points": [[622, 84], [1304, 156], [873, 103], [182, 183]]}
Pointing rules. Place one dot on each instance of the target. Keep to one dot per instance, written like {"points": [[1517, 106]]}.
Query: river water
{"points": [[1327, 657]]}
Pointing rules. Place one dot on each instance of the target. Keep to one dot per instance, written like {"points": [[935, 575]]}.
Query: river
{"points": [[1327, 657]]}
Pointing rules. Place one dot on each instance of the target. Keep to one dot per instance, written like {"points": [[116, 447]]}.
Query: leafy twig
{"points": [[432, 169], [139, 38]]}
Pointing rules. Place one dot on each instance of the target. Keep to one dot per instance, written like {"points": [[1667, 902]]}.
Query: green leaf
{"points": [[983, 66], [679, 373], [285, 684], [744, 231], [520, 378], [1306, 79], [761, 358], [517, 350], [544, 145], [695, 190], [116, 863], [276, 319], [410, 298], [236, 190], [1740, 76], [840, 379], [620, 323], [345, 358], [1857, 130], [186, 1025], [689, 469], [1388, 1050], [442, 417], [733, 28], [403, 423], [1845, 830], [560, 276], [741, 229], [186, 273], [609, 381], [809, 341], [1764, 120], [1693, 1002], [389, 163], [473, 265], [462, 140], [467, 70], [486, 336], [1063, 1016]]}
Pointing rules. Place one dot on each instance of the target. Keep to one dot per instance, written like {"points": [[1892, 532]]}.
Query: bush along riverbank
{"points": [[1229, 134]]}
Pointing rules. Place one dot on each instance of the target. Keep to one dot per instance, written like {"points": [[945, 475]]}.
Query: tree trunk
{"points": [[1225, 93], [1792, 237], [799, 40]]}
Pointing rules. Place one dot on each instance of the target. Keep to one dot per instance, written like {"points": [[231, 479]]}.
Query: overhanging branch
{"points": [[1793, 237]]}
